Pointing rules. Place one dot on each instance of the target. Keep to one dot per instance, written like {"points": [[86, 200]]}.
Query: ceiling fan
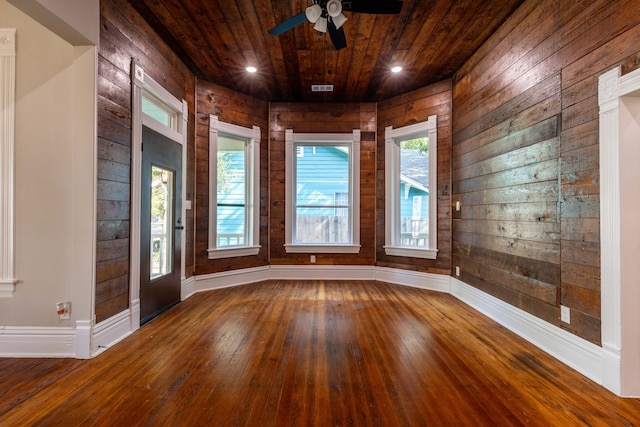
{"points": [[327, 16]]}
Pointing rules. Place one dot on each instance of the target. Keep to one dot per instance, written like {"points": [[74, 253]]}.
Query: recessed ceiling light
{"points": [[396, 69], [251, 69]]}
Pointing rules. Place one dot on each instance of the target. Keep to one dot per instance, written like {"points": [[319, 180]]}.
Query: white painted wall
{"points": [[76, 21], [55, 179]]}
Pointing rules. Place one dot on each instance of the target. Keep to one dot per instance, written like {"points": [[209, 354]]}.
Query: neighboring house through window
{"points": [[234, 178], [410, 175], [323, 192]]}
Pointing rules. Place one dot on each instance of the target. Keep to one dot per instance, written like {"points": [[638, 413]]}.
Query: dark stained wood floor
{"points": [[321, 353]]}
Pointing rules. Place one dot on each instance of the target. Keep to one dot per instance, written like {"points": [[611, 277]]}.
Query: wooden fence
{"points": [[335, 229], [322, 229]]}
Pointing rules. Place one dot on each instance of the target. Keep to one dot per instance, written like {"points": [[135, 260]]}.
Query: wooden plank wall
{"points": [[242, 110], [525, 156], [322, 118], [404, 110], [125, 35]]}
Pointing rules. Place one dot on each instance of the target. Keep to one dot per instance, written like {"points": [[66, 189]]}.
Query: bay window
{"points": [[234, 178], [323, 192], [410, 183]]}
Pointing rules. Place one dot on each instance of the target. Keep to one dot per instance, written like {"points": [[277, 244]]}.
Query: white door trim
{"points": [[619, 102], [7, 148]]}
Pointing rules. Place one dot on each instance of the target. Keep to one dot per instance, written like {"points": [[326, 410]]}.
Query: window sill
{"points": [[322, 249], [411, 252], [234, 251]]}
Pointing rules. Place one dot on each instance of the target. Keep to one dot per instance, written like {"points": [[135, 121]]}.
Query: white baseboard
{"points": [[26, 341], [134, 315], [436, 282], [573, 351], [7, 288], [83, 339], [322, 272], [415, 279], [188, 288], [111, 331], [227, 279], [611, 369]]}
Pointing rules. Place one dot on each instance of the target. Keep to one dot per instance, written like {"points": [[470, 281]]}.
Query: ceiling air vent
{"points": [[321, 88]]}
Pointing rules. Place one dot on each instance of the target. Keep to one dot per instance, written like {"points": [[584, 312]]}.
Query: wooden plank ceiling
{"points": [[218, 39]]}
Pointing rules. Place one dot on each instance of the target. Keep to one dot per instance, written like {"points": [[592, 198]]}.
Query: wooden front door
{"points": [[161, 224]]}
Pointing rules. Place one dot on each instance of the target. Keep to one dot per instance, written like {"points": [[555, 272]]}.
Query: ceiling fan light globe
{"points": [[321, 25], [313, 13], [334, 8], [339, 20]]}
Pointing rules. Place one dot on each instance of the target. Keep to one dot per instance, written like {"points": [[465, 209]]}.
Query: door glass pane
{"points": [[161, 222], [414, 192], [232, 192]]}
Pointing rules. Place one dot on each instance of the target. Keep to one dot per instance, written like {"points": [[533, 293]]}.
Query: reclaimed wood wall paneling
{"points": [[403, 110], [242, 110], [125, 35], [525, 156]]}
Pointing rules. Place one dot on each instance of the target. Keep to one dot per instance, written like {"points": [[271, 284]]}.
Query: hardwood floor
{"points": [[317, 353]]}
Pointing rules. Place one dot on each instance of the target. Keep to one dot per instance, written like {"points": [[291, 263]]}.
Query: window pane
{"points": [[414, 192], [161, 222], [231, 192], [157, 112], [342, 204], [322, 194]]}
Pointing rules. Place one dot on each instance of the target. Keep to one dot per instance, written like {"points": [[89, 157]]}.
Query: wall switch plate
{"points": [[458, 206], [565, 314], [313, 259], [187, 204], [457, 270]]}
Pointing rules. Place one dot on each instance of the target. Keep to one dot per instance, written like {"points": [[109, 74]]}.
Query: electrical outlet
{"points": [[565, 314], [313, 259], [457, 270], [64, 310]]}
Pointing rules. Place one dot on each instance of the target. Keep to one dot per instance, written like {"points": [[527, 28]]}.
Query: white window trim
{"points": [[7, 166], [253, 193], [392, 201], [144, 84], [354, 190], [161, 96]]}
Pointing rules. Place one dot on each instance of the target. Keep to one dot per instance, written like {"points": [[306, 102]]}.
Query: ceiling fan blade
{"points": [[337, 35], [379, 7], [288, 24]]}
